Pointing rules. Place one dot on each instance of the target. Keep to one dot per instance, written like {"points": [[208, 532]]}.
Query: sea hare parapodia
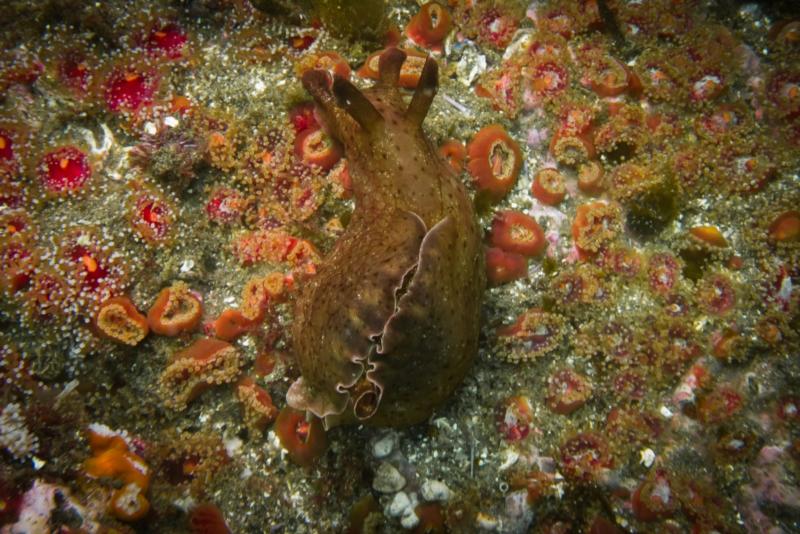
{"points": [[388, 327]]}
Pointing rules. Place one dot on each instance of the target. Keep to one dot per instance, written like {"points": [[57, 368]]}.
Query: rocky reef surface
{"points": [[167, 190]]}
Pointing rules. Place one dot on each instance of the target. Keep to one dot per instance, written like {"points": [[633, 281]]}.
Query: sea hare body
{"points": [[388, 327]]}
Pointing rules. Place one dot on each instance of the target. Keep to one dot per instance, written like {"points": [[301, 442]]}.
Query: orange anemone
{"points": [[129, 504], [569, 147], [256, 403], [231, 324], [112, 459], [609, 77], [785, 227], [513, 231], [549, 187], [409, 72], [175, 310], [261, 291], [454, 153], [503, 267], [590, 178], [119, 320], [302, 436], [205, 363], [495, 161], [596, 225], [709, 235], [120, 464], [315, 147], [429, 27]]}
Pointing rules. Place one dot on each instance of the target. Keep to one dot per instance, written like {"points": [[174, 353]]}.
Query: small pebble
{"points": [[409, 520], [388, 479], [434, 490], [399, 504], [384, 446]]}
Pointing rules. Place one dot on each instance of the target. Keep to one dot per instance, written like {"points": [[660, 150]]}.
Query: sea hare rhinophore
{"points": [[388, 327]]}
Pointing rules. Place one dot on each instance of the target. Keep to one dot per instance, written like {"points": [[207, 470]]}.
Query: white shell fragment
{"points": [[510, 457], [187, 265], [487, 522], [471, 65], [647, 457]]}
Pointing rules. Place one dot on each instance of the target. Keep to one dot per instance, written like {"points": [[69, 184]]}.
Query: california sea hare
{"points": [[388, 327]]}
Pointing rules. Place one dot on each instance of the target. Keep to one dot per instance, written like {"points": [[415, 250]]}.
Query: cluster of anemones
{"points": [[286, 174], [123, 87], [213, 361], [84, 275], [534, 334], [91, 266], [207, 361], [492, 24], [274, 246], [259, 296], [176, 309], [513, 239], [83, 270], [127, 85], [113, 459], [63, 168], [494, 160], [536, 74]]}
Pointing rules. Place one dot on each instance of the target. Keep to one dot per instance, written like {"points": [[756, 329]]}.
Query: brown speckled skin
{"points": [[388, 327]]}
